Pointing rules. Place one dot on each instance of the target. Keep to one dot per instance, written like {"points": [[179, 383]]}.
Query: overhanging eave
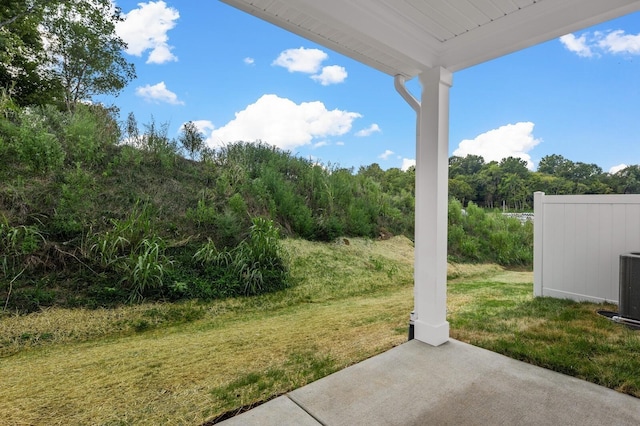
{"points": [[408, 37]]}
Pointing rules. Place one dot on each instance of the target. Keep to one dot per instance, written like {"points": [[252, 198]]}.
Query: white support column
{"points": [[432, 178]]}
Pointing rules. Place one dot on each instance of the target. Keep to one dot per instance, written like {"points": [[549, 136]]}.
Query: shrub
{"points": [[360, 220], [476, 235], [37, 148], [260, 259], [157, 142], [75, 202], [257, 265], [455, 237], [328, 228], [82, 138], [204, 215], [237, 205], [144, 268], [230, 228], [17, 243], [129, 157], [131, 251]]}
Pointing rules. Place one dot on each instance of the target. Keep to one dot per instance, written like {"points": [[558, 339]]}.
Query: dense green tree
{"points": [[55, 51], [600, 186], [22, 74], [15, 10], [552, 185], [585, 172], [397, 181], [513, 165], [372, 171], [488, 181], [460, 189], [84, 53], [513, 191], [627, 180], [468, 165], [554, 164], [493, 184], [585, 178]]}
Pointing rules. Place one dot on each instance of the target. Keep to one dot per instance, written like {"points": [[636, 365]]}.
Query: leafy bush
{"points": [[230, 228], [17, 243], [476, 235], [132, 252], [129, 157], [237, 205], [203, 215], [38, 149], [257, 265], [75, 203], [83, 143], [260, 259], [359, 222], [145, 268], [328, 228], [157, 142], [19, 246]]}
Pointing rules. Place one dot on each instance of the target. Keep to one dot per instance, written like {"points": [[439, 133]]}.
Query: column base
{"points": [[434, 335]]}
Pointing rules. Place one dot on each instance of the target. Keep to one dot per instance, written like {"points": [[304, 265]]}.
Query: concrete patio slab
{"points": [[453, 384], [279, 411]]}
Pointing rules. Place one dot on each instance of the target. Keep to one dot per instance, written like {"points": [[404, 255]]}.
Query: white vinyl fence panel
{"points": [[578, 240]]}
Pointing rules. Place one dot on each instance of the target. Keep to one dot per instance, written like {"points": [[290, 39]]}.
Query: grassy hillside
{"points": [[86, 220]]}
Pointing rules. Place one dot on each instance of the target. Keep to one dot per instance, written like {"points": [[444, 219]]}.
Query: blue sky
{"points": [[239, 78]]}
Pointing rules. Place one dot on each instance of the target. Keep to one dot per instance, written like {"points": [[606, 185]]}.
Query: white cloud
{"points": [[340, 143], [619, 42], [283, 123], [407, 163], [320, 144], [599, 42], [249, 61], [616, 169], [385, 155], [158, 93], [512, 140], [145, 29], [374, 128], [309, 61], [301, 60], [577, 45], [333, 74]]}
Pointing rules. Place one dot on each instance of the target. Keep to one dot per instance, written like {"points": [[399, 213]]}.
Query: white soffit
{"points": [[410, 36]]}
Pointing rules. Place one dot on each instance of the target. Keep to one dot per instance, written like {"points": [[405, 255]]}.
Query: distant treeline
{"points": [[510, 184]]}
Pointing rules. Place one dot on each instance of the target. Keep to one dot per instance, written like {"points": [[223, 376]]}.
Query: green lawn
{"points": [[500, 314], [188, 363]]}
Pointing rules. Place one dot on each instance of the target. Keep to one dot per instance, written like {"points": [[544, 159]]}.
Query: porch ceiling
{"points": [[410, 36]]}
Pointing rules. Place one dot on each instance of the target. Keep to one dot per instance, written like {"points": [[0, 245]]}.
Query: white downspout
{"points": [[399, 83]]}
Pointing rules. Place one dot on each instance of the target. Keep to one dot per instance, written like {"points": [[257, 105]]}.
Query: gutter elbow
{"points": [[399, 83]]}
